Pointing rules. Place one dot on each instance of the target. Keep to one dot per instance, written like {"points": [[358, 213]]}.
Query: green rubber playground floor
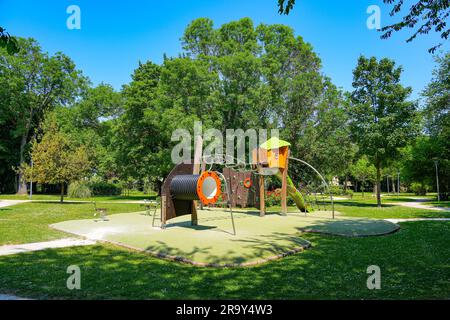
{"points": [[212, 242]]}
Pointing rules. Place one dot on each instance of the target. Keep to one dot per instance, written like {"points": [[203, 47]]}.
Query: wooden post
{"points": [[262, 198], [284, 188], [163, 212], [197, 162]]}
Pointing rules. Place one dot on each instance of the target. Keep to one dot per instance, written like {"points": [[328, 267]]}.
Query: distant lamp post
{"points": [[31, 180], [437, 178], [387, 184], [398, 183]]}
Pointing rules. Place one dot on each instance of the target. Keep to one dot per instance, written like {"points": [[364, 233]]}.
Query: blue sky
{"points": [[115, 35]]}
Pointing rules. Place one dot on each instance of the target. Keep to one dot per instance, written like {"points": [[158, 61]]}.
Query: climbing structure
{"points": [[243, 186]]}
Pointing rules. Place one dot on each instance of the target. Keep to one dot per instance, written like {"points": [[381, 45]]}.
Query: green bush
{"points": [[78, 189], [419, 189], [336, 190], [273, 198], [349, 193], [105, 189]]}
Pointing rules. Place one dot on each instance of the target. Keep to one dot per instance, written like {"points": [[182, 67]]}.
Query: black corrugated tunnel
{"points": [[204, 187]]}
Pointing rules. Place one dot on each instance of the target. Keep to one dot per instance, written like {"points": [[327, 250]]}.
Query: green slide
{"points": [[293, 193]]}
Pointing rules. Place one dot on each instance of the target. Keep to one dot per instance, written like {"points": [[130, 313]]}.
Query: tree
{"points": [[437, 120], [90, 122], [31, 83], [8, 42], [381, 117], [136, 137], [417, 164], [431, 15], [234, 76], [285, 6], [363, 171], [56, 159]]}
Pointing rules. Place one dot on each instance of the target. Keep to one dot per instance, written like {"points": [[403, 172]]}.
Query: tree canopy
{"points": [[31, 83], [381, 117]]}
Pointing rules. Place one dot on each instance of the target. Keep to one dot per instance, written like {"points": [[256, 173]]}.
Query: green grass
{"points": [[28, 222], [444, 204], [369, 209], [134, 196], [414, 264]]}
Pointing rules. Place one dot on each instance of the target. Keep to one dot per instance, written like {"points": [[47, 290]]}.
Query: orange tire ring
{"points": [[208, 187], [248, 183]]}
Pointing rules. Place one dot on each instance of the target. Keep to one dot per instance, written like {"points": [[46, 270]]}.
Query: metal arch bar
{"points": [[318, 173], [228, 199]]}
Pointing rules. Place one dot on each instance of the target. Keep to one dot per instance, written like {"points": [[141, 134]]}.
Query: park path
{"points": [[418, 203], [11, 297], [7, 203], [417, 219], [36, 246]]}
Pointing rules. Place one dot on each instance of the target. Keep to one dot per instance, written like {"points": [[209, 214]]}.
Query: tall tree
{"points": [[32, 82], [56, 159], [90, 121], [428, 15], [436, 113], [8, 42], [382, 119], [269, 78], [363, 171]]}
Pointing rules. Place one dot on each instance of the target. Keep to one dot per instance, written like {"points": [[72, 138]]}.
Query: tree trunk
{"points": [[22, 184], [378, 184], [62, 192], [362, 187]]}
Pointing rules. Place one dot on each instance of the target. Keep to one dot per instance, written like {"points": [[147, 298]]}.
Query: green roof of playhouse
{"points": [[274, 143]]}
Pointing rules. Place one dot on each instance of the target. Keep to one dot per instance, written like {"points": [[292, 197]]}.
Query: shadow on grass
{"points": [[246, 250], [335, 268], [362, 204]]}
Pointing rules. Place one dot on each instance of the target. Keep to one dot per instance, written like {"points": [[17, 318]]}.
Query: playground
{"points": [[218, 218], [212, 242]]}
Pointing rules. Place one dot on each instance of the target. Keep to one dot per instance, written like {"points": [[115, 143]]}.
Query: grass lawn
{"points": [[444, 204], [414, 264], [133, 196], [367, 208], [28, 222]]}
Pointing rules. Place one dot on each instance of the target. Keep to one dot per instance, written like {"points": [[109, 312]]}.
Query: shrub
{"points": [[349, 193], [78, 189], [273, 198], [336, 190], [419, 189], [105, 189]]}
